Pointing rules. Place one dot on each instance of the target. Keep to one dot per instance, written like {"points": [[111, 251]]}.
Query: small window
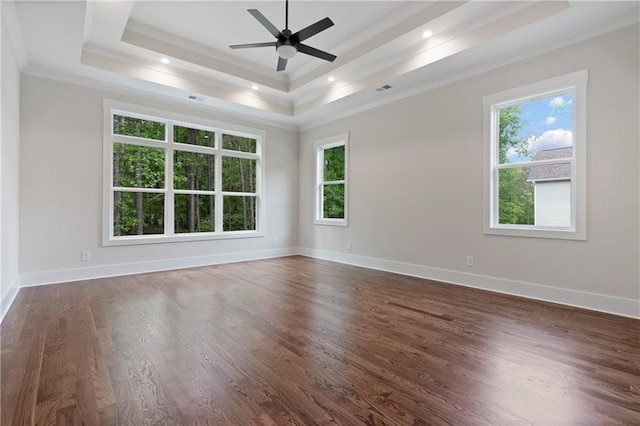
{"points": [[170, 177], [535, 145], [331, 180]]}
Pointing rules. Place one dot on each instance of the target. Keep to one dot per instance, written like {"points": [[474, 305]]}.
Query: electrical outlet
{"points": [[85, 256], [274, 241], [470, 261], [349, 245]]}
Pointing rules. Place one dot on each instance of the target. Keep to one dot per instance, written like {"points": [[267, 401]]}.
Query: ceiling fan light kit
{"points": [[288, 43], [285, 47]]}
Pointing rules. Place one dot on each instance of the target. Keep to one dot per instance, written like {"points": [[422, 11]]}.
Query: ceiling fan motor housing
{"points": [[287, 44]]}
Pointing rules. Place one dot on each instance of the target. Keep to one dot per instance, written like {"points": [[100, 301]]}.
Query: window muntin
{"points": [[331, 181], [170, 179], [535, 144]]}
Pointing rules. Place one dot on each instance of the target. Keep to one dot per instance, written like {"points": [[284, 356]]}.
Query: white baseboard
{"points": [[597, 302], [8, 299], [593, 301], [104, 271]]}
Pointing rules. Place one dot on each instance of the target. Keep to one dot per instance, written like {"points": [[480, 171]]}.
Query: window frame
{"points": [[171, 119], [576, 83], [320, 146]]}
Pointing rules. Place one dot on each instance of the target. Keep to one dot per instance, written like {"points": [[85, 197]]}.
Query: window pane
{"points": [[193, 171], [333, 201], [239, 143], [238, 175], [193, 136], [334, 164], [194, 213], [138, 213], [536, 130], [515, 197], [129, 126], [239, 213], [138, 166]]}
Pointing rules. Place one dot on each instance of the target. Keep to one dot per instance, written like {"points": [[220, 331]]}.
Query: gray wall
{"points": [[61, 191], [415, 187], [9, 166], [416, 172]]}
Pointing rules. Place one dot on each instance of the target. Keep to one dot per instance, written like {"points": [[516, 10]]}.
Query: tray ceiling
{"points": [[120, 43]]}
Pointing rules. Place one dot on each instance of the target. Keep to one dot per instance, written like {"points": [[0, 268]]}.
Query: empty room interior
{"points": [[320, 212]]}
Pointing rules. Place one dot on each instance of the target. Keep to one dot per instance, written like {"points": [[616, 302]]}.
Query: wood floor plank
{"points": [[46, 413], [27, 396], [302, 341]]}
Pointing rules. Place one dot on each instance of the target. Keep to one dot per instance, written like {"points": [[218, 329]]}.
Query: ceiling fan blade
{"points": [[282, 64], [313, 29], [303, 48], [265, 22], [248, 45]]}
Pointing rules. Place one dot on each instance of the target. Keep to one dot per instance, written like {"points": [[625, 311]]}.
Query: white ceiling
{"points": [[118, 45]]}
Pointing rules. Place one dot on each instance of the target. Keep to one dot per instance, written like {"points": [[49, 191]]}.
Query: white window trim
{"points": [[577, 82], [171, 118], [320, 146]]}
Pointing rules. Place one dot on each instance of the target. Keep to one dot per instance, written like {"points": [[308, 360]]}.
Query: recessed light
{"points": [[427, 34], [164, 60], [331, 79], [255, 87]]}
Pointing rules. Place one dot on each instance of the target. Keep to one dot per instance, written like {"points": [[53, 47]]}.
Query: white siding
{"points": [[553, 203]]}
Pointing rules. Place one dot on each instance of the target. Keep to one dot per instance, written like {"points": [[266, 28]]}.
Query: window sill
{"points": [[517, 231], [331, 222], [159, 239]]}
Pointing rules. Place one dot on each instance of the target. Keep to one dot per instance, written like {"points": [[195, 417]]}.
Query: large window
{"points": [[535, 146], [331, 180], [172, 178]]}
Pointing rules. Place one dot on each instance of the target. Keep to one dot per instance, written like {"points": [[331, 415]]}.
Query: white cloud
{"points": [[558, 138], [549, 120], [511, 153], [556, 102]]}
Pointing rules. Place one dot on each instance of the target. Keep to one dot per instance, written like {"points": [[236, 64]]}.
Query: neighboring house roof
{"points": [[547, 172]]}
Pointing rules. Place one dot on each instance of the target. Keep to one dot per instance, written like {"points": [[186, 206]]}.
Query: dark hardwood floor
{"points": [[303, 341]]}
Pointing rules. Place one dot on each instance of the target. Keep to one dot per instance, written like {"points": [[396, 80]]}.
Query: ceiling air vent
{"points": [[383, 88]]}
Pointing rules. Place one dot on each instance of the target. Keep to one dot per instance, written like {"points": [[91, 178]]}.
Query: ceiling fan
{"points": [[288, 43]]}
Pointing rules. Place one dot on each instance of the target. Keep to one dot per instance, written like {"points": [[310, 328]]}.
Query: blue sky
{"points": [[548, 124]]}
